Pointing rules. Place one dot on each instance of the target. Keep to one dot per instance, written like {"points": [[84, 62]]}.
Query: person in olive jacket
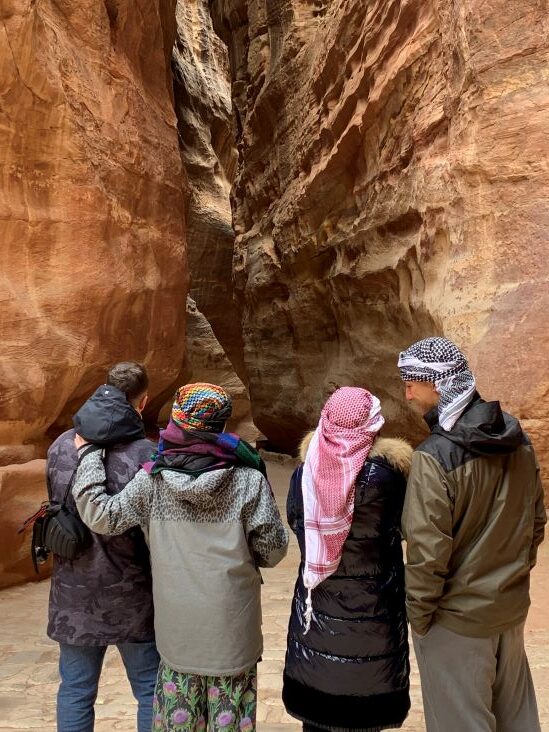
{"points": [[347, 651], [473, 519]]}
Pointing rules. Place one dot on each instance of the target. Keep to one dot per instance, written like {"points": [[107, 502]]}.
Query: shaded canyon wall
{"points": [[391, 184], [207, 361], [202, 88]]}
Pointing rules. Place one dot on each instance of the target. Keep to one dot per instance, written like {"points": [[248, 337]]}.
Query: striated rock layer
{"points": [[391, 185], [202, 89], [91, 199]]}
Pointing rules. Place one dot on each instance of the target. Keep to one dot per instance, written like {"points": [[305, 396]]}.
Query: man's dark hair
{"points": [[130, 377]]}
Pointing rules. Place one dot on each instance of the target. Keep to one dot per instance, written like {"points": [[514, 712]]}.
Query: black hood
{"points": [[482, 429], [107, 418]]}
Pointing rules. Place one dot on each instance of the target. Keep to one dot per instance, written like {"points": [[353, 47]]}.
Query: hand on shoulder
{"points": [[79, 441]]}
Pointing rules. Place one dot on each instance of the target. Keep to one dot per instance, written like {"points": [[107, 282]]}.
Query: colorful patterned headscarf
{"points": [[440, 362], [349, 423], [202, 407]]}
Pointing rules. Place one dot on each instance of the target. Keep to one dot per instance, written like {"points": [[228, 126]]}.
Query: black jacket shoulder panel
{"points": [[483, 430], [383, 467], [449, 455]]}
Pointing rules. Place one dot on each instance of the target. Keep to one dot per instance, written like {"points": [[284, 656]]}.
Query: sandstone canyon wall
{"points": [[391, 184], [92, 200], [93, 248], [207, 361], [202, 89]]}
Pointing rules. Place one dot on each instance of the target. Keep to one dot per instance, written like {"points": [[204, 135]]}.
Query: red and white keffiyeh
{"points": [[349, 423]]}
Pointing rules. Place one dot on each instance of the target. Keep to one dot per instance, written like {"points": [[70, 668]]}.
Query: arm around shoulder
{"points": [[107, 514]]}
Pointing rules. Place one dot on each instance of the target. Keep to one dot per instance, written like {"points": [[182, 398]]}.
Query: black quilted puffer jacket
{"points": [[351, 670]]}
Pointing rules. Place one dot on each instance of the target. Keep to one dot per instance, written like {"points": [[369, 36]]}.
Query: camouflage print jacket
{"points": [[105, 596]]}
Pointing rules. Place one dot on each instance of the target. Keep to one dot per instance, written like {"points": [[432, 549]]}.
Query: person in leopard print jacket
{"points": [[211, 521]]}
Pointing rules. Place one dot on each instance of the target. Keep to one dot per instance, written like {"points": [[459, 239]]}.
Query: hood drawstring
{"points": [[308, 611]]}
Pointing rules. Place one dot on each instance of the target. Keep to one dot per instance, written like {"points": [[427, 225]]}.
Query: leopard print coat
{"points": [[207, 535]]}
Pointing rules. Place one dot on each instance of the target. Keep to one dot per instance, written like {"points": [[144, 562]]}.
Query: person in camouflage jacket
{"points": [[104, 597]]}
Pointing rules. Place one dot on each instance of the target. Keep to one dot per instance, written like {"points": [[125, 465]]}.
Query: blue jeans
{"points": [[80, 668]]}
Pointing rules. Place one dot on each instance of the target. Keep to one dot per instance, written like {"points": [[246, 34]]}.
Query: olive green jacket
{"points": [[473, 519]]}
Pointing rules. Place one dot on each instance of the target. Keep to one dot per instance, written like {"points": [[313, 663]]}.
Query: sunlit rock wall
{"points": [[92, 205], [93, 248], [391, 184]]}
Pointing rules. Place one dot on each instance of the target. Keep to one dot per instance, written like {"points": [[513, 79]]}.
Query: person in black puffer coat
{"points": [[350, 671]]}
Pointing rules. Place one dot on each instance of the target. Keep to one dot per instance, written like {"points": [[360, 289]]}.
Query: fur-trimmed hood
{"points": [[395, 450]]}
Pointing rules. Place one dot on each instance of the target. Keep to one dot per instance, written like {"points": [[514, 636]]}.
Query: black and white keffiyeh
{"points": [[440, 362]]}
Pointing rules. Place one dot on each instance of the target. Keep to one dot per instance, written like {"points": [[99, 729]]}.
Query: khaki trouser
{"points": [[476, 684]]}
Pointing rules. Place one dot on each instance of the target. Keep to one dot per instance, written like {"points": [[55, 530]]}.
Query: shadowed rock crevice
{"points": [[207, 138], [207, 361]]}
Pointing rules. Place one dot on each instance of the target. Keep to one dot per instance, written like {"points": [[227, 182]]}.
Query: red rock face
{"points": [[391, 185], [92, 199], [22, 489], [93, 249]]}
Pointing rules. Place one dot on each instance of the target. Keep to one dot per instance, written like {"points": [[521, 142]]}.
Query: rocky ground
{"points": [[28, 659]]}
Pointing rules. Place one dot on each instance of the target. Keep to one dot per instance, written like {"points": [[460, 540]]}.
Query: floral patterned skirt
{"points": [[213, 703]]}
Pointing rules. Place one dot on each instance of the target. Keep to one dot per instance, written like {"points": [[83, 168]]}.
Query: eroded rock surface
{"points": [[391, 185], [93, 250], [202, 88], [208, 362]]}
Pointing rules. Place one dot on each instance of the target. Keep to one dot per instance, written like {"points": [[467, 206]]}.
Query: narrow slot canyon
{"points": [[276, 196]]}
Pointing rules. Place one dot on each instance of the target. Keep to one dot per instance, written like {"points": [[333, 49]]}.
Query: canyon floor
{"points": [[28, 659]]}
